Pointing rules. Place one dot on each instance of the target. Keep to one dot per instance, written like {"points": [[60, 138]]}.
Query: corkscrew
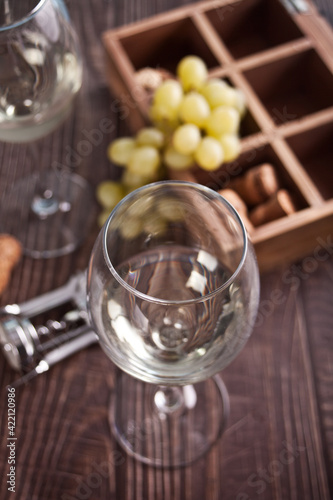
{"points": [[32, 349]]}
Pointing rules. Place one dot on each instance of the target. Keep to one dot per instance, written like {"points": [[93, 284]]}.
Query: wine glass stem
{"points": [[168, 399], [45, 202]]}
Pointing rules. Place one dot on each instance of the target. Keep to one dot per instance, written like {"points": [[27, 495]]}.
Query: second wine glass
{"points": [[40, 75]]}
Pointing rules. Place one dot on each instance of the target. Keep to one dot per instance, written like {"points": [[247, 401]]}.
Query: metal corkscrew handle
{"points": [[80, 341], [23, 343], [74, 289]]}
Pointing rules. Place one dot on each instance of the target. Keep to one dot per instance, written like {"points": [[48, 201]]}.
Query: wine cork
{"points": [[10, 254], [236, 201], [257, 185], [279, 205], [151, 78]]}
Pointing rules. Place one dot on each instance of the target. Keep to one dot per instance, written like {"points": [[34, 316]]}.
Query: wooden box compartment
{"points": [[314, 149], [282, 59], [294, 86], [248, 27], [164, 45]]}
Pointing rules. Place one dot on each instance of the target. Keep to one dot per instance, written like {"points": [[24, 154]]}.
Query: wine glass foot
{"points": [[168, 427], [49, 212]]}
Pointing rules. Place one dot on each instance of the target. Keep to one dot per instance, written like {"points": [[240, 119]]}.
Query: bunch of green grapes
{"points": [[195, 120], [201, 116]]}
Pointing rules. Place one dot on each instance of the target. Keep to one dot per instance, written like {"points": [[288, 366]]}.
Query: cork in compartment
{"points": [[265, 154]]}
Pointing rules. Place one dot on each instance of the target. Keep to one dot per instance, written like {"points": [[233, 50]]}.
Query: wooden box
{"points": [[280, 53]]}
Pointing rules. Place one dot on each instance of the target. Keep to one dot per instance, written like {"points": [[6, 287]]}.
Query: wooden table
{"points": [[279, 439]]}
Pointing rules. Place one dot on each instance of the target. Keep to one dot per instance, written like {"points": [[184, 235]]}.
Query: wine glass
{"points": [[40, 75], [173, 290]]}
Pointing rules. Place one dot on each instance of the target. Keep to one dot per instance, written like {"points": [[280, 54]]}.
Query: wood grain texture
{"points": [[279, 441]]}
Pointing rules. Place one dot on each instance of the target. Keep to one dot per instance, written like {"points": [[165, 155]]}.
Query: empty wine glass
{"points": [[40, 75], [173, 290]]}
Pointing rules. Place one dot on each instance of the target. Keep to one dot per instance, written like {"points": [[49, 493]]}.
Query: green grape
{"points": [[133, 219], [138, 211], [140, 206], [186, 139], [175, 160], [166, 102], [120, 150], [150, 136], [194, 109], [209, 154], [164, 117], [240, 102], [155, 224], [170, 209], [192, 72], [223, 120], [109, 194], [133, 181], [231, 146], [168, 94], [218, 93], [131, 228], [144, 161]]}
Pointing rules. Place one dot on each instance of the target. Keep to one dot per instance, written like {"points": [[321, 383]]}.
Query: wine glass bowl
{"points": [[40, 68], [173, 290], [179, 297]]}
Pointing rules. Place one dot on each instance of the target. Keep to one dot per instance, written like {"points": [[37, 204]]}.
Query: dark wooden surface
{"points": [[279, 439]]}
